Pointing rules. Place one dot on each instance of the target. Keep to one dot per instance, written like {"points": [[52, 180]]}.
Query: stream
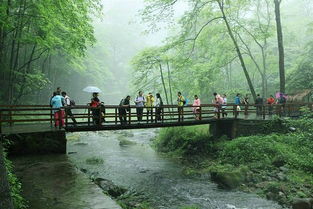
{"points": [[139, 167]]}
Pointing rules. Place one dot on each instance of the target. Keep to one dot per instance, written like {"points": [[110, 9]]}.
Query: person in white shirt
{"points": [[68, 103], [140, 103]]}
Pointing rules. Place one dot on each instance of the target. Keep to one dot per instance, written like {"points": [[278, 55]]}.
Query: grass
{"points": [[278, 166]]}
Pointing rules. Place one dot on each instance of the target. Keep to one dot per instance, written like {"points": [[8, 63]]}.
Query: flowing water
{"points": [[139, 167]]}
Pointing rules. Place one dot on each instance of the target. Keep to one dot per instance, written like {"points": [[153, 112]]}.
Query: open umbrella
{"points": [[277, 95], [92, 89]]}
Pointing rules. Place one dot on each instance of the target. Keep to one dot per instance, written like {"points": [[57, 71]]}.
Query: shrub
{"points": [[184, 140]]}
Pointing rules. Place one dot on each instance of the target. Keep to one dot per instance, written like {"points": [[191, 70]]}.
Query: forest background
{"points": [[192, 46]]}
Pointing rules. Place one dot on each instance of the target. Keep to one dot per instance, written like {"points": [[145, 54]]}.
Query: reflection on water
{"points": [[139, 167]]}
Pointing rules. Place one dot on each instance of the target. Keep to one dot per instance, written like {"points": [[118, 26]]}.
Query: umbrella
{"points": [[277, 95], [92, 89]]}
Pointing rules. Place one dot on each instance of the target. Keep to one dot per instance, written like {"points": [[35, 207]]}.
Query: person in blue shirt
{"points": [[56, 103], [237, 103]]}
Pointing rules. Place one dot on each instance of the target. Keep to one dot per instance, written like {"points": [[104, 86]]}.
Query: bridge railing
{"points": [[115, 115]]}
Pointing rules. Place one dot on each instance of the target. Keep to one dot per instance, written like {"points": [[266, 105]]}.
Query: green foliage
{"points": [[16, 187], [184, 140]]}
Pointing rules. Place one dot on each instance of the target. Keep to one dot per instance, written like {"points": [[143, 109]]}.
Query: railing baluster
{"points": [[88, 116], [10, 117], [129, 116], [115, 109], [200, 113], [100, 116], [51, 117]]}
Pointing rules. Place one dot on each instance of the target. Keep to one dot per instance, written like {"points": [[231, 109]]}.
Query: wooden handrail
{"points": [[42, 113]]}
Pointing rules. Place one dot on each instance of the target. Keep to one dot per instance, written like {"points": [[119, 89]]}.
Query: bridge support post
{"points": [[224, 127], [38, 143]]}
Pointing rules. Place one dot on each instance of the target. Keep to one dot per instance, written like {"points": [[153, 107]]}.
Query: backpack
{"points": [[121, 102], [72, 102], [185, 102]]}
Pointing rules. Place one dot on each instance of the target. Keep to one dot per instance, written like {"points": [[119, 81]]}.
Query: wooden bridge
{"points": [[40, 118]]}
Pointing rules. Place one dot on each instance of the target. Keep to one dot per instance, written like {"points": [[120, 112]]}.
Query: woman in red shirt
{"points": [[270, 102]]}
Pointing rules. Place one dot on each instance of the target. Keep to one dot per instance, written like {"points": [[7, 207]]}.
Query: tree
{"points": [[280, 43]]}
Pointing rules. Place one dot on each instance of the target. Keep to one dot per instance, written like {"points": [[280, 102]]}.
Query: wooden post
{"points": [[129, 116], [10, 117], [115, 109], [182, 115], [88, 116], [100, 115], [235, 111], [51, 117], [162, 112], [200, 113], [263, 111], [218, 112]]}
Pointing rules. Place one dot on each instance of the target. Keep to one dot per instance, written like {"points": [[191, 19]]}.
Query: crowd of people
{"points": [[150, 102], [220, 103]]}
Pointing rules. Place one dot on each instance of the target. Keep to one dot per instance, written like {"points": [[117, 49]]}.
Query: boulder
{"points": [[302, 203], [109, 187], [228, 179]]}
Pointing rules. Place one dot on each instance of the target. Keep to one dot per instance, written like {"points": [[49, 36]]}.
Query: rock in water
{"points": [[305, 203], [109, 187]]}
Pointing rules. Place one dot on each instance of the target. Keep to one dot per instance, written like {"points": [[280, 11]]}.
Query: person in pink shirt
{"points": [[196, 107]]}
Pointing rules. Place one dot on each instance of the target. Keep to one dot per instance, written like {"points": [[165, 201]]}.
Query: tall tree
{"points": [[280, 42]]}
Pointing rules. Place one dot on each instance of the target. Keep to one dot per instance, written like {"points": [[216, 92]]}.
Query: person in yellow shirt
{"points": [[180, 102], [149, 106]]}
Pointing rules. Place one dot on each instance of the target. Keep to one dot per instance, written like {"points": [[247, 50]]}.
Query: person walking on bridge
{"points": [[159, 106], [124, 107], [149, 106], [56, 103], [180, 103], [259, 105], [270, 102], [237, 103], [224, 106], [218, 102], [140, 103], [96, 112], [196, 107], [69, 103]]}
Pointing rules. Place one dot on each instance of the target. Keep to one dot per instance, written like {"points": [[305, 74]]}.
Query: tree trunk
{"points": [[280, 46], [169, 81], [163, 83], [237, 50]]}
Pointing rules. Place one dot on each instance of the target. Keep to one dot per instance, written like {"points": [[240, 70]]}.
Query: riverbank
{"points": [[277, 166], [52, 181]]}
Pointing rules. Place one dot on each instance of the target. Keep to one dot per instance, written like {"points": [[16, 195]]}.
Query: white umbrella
{"points": [[92, 89]]}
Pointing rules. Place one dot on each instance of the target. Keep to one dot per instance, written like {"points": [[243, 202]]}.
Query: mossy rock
{"points": [[125, 142], [73, 137], [94, 161], [228, 177]]}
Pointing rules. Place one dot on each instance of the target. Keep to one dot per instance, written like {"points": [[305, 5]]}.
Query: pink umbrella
{"points": [[277, 95]]}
